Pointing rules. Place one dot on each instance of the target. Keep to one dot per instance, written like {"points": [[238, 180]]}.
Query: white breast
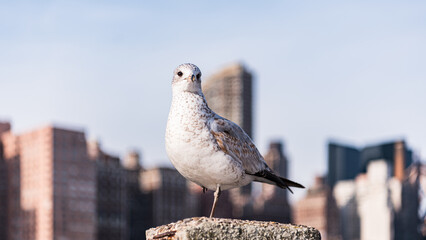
{"points": [[192, 148]]}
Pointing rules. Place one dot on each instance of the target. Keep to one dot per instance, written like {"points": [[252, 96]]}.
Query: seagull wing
{"points": [[235, 142], [232, 140]]}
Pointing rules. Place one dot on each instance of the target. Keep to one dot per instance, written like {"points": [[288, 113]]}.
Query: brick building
{"points": [[111, 198], [319, 210], [51, 185]]}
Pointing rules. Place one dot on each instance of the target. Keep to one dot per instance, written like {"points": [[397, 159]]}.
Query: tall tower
{"points": [[343, 163], [229, 93]]}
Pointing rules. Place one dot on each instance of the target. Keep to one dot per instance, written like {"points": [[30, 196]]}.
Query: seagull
{"points": [[207, 149]]}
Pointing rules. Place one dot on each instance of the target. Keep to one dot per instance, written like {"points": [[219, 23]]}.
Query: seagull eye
{"points": [[180, 74], [198, 76]]}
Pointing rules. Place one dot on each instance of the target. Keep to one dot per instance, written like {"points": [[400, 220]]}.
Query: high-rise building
{"points": [[272, 204], [4, 127], [422, 186], [343, 163], [375, 205], [396, 153], [51, 185], [318, 209], [378, 205], [111, 198], [349, 223], [229, 93], [3, 196], [13, 210], [168, 194], [137, 211], [407, 220], [346, 162]]}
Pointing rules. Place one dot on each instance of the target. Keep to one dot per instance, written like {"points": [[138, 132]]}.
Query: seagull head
{"points": [[187, 77]]}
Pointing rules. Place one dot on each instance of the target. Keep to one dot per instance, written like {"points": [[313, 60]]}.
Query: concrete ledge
{"points": [[221, 228]]}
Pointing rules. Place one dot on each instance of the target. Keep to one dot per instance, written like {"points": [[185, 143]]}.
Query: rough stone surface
{"points": [[221, 228]]}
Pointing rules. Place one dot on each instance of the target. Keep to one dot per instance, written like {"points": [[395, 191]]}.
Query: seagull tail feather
{"points": [[291, 183], [268, 176]]}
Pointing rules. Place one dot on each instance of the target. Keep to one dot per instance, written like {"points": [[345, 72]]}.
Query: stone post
{"points": [[232, 229]]}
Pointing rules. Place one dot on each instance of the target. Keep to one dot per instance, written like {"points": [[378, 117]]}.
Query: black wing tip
{"points": [[279, 181], [291, 183]]}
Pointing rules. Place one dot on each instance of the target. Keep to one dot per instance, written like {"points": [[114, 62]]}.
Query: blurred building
{"points": [[137, 211], [272, 203], [51, 185], [111, 200], [343, 163], [3, 196], [408, 222], [396, 153], [168, 195], [4, 127], [318, 209], [13, 208], [378, 205], [375, 203], [346, 162], [229, 93], [349, 223], [422, 186]]}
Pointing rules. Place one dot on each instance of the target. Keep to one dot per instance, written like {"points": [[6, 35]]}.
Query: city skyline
{"points": [[321, 71], [56, 184], [122, 197]]}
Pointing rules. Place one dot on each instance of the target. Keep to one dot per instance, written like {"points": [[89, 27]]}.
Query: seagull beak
{"points": [[193, 77]]}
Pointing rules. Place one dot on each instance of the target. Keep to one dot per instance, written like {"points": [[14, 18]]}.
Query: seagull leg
{"points": [[216, 197]]}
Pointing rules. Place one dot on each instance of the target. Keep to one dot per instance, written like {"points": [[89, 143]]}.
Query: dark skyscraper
{"points": [[346, 162], [343, 163], [396, 153]]}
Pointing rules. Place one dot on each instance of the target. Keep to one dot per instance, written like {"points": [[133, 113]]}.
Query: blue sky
{"points": [[347, 70]]}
